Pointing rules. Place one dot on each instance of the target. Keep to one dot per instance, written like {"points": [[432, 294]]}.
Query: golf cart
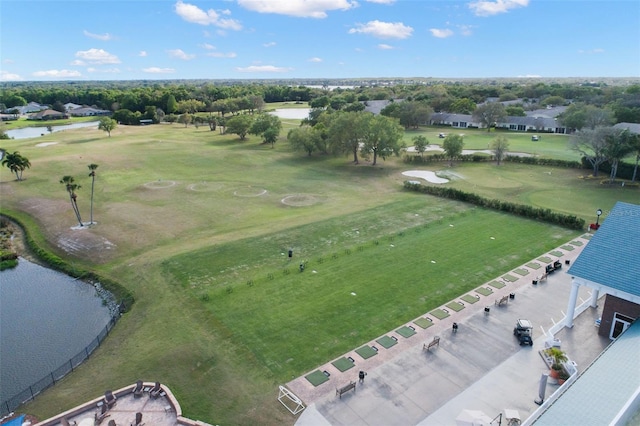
{"points": [[523, 331]]}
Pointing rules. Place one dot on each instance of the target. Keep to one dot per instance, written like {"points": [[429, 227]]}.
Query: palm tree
{"points": [[92, 174], [71, 187], [16, 163]]}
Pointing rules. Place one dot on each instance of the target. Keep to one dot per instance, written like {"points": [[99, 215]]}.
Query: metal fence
{"points": [[50, 379]]}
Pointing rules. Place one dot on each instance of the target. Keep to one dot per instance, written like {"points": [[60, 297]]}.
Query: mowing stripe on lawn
{"points": [[521, 271], [469, 298], [316, 378], [423, 322], [387, 341], [366, 352], [343, 364], [485, 291], [533, 265], [440, 314], [406, 331], [496, 284], [456, 306]]}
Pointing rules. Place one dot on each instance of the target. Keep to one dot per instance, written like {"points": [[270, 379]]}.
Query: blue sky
{"points": [[281, 39]]}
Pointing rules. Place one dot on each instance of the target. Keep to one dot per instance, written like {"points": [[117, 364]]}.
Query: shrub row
{"points": [[125, 297], [545, 215], [476, 158]]}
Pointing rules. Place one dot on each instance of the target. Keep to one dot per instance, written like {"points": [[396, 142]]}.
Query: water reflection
{"points": [[34, 132]]}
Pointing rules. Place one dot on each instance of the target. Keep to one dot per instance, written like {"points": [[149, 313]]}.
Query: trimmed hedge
{"points": [[536, 213], [481, 157], [125, 297]]}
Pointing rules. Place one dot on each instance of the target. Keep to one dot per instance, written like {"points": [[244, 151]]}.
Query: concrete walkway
{"points": [[480, 367]]}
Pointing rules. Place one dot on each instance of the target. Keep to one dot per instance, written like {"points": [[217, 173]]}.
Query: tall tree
{"points": [[16, 163], [421, 143], [92, 174], [452, 146], [268, 126], [107, 124], [185, 119], [381, 137], [500, 146], [619, 143], [592, 144], [489, 114], [346, 131], [172, 105], [304, 138], [239, 125], [72, 187]]}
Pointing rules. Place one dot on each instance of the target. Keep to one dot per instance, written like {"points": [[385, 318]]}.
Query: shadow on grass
{"points": [[81, 141]]}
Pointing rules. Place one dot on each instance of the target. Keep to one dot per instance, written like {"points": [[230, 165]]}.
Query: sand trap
{"points": [[40, 145], [426, 175]]}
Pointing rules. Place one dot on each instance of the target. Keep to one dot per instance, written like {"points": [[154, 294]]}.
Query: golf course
{"points": [[208, 232]]}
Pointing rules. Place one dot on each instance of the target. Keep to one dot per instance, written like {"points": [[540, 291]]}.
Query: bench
{"points": [[502, 301], [431, 344], [345, 389]]}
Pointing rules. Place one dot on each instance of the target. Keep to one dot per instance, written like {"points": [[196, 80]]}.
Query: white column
{"points": [[595, 293], [571, 307]]}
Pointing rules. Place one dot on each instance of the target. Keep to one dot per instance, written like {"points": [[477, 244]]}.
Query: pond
{"points": [[47, 318], [34, 132], [295, 113]]}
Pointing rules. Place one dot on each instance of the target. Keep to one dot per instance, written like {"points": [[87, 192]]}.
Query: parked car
{"points": [[524, 332]]}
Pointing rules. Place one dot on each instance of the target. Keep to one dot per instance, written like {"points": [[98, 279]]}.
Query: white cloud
{"points": [[57, 73], [208, 46], [383, 29], [466, 30], [488, 8], [262, 68], [7, 76], [78, 63], [222, 54], [381, 1], [383, 46], [97, 56], [298, 8], [194, 14], [441, 33], [269, 44], [180, 54], [591, 52], [157, 70], [103, 37], [315, 59], [142, 53], [104, 70]]}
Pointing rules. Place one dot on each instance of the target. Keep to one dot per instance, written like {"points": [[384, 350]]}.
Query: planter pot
{"points": [[554, 374]]}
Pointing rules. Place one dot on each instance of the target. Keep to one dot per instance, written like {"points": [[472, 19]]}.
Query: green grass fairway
{"points": [[198, 225]]}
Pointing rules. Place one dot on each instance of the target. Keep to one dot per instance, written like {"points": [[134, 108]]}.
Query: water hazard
{"points": [[47, 318], [34, 132]]}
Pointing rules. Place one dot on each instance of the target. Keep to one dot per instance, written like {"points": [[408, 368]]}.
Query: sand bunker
{"points": [[160, 184], [426, 175], [40, 145], [300, 200], [249, 191]]}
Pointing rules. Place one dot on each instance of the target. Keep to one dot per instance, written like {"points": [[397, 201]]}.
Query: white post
{"points": [[595, 293], [571, 307]]}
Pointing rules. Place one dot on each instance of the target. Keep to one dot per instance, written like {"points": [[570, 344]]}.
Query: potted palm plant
{"points": [[558, 357]]}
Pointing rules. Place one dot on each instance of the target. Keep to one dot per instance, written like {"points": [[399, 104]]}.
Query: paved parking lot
{"points": [[480, 367]]}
